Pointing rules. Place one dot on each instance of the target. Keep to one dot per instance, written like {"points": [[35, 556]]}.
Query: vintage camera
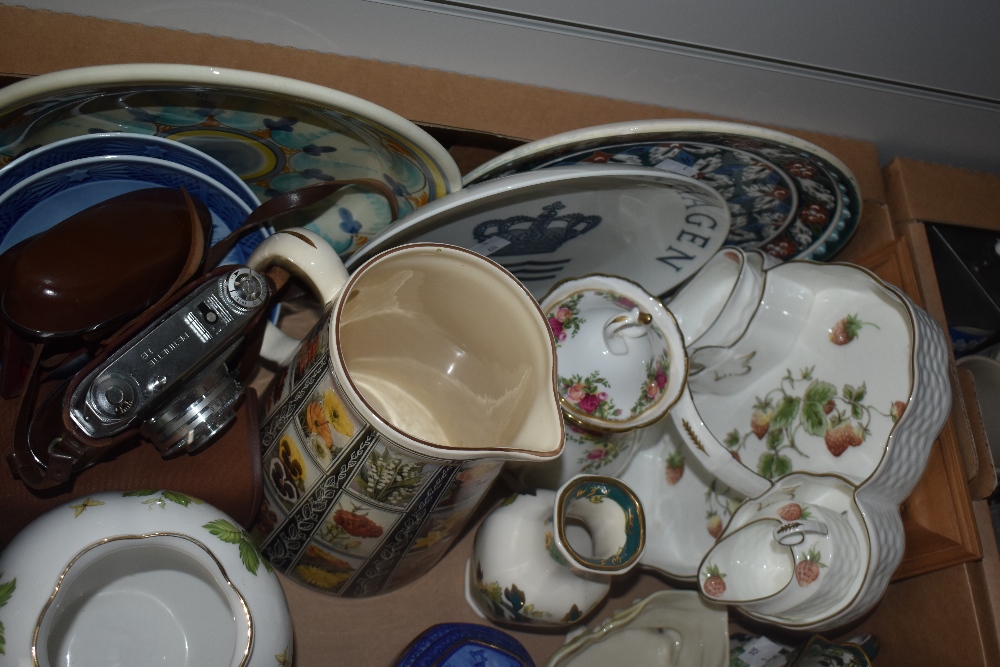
{"points": [[174, 379]]}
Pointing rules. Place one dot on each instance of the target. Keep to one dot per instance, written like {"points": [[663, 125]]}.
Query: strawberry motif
{"points": [[897, 410], [714, 524], [842, 436], [807, 569], [675, 468], [829, 407], [760, 419], [714, 586], [793, 512], [847, 329]]}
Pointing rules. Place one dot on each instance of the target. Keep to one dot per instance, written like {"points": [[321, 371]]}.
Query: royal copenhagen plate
{"points": [[54, 194], [646, 225], [787, 197], [686, 508], [276, 133], [119, 144]]}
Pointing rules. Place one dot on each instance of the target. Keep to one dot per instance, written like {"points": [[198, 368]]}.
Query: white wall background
{"points": [[919, 78]]}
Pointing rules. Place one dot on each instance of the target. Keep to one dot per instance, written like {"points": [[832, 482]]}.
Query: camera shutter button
{"points": [[114, 396]]}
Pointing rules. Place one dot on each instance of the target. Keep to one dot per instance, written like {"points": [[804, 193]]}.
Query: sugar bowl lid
{"points": [[620, 354]]}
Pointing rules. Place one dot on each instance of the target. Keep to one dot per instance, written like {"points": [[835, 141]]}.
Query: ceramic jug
{"points": [[621, 364], [791, 553], [137, 578], [431, 366], [546, 559]]}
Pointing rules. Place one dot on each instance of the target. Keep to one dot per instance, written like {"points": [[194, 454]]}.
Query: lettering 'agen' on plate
{"points": [[698, 233]]}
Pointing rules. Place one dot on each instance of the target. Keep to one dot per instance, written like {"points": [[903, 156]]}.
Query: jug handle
{"points": [[711, 453], [309, 257]]}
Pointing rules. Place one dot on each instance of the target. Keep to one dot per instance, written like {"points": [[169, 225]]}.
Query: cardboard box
{"points": [[374, 631]]}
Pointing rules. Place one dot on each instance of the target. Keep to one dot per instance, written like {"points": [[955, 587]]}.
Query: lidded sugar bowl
{"points": [[621, 365]]}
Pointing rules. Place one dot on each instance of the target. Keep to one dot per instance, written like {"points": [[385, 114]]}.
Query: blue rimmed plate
{"points": [[54, 194], [124, 144], [788, 197]]}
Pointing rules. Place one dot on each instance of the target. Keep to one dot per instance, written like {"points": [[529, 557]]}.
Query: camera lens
{"points": [[204, 407]]}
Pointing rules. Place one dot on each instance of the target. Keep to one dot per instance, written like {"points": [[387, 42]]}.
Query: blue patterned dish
{"points": [[277, 134], [465, 645], [788, 197], [52, 195], [121, 144]]}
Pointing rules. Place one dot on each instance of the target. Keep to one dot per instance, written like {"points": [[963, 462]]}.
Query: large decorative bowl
{"points": [[276, 133]]}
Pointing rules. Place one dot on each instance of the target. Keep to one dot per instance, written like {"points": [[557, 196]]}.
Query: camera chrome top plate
{"points": [[140, 379]]}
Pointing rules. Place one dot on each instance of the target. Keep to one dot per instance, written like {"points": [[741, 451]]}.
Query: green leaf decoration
{"points": [[250, 556], [225, 531], [782, 465], [181, 499], [813, 417], [849, 392], [765, 466], [785, 413], [775, 438], [857, 412], [860, 393], [732, 438], [89, 502], [139, 492], [820, 392], [6, 590]]}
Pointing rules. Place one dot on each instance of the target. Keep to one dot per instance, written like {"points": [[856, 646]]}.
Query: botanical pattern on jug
{"points": [[327, 425], [322, 569], [388, 479], [804, 405]]}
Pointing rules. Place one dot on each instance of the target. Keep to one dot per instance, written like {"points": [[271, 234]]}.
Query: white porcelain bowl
{"points": [[142, 577]]}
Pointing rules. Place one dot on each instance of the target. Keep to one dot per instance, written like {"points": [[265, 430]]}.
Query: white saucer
{"points": [[678, 513]]}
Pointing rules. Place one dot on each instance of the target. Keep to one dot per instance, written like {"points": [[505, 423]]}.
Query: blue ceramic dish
{"points": [[124, 144], [54, 194], [465, 645]]}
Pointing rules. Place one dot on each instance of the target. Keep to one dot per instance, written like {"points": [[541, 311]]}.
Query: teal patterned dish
{"points": [[277, 134], [788, 197]]}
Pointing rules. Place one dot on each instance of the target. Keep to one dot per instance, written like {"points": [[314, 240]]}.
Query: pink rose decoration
{"points": [[557, 329], [595, 454], [652, 389], [603, 396], [589, 403], [563, 314], [661, 378], [575, 393]]}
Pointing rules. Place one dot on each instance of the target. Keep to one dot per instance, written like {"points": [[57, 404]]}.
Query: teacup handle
{"points": [[790, 534], [309, 257], [712, 454]]}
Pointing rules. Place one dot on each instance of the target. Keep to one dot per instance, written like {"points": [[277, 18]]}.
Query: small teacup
{"points": [[715, 306]]}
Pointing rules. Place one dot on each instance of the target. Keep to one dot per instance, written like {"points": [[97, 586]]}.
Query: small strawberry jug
{"points": [[546, 559], [790, 553]]}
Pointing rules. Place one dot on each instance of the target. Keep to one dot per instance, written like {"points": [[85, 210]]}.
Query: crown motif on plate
{"points": [[539, 235]]}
